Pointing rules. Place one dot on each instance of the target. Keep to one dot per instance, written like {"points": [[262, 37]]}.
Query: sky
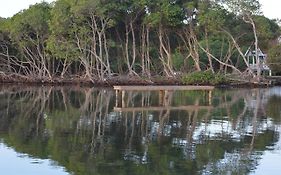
{"points": [[10, 7], [271, 8]]}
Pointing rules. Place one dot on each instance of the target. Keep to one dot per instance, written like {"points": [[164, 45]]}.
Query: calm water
{"points": [[83, 131]]}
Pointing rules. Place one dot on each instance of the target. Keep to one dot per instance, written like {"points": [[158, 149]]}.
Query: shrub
{"points": [[204, 78]]}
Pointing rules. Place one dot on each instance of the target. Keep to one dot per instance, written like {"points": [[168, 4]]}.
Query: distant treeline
{"points": [[97, 39]]}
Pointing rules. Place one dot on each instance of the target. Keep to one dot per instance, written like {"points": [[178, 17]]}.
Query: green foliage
{"points": [[218, 46], [204, 78], [267, 30], [4, 25], [164, 13], [243, 7], [178, 60], [31, 24], [212, 17], [274, 58]]}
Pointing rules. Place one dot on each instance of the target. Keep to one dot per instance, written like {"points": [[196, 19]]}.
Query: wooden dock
{"points": [[159, 88], [165, 95]]}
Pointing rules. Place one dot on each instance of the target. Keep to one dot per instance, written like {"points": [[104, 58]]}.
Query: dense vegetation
{"points": [[274, 59], [207, 78], [94, 40]]}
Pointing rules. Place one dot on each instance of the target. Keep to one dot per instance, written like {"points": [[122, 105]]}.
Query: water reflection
{"points": [[93, 131]]}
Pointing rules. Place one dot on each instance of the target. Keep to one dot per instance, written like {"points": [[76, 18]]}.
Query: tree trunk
{"points": [[133, 45], [164, 54], [250, 21], [130, 71]]}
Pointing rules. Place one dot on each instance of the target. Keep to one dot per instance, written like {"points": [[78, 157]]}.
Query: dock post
{"points": [[210, 97], [117, 98], [123, 99], [161, 97]]}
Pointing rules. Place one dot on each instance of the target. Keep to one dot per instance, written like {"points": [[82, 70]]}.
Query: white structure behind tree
{"points": [[253, 62]]}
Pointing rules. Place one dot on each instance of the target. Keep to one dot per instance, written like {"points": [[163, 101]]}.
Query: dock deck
{"points": [[157, 88]]}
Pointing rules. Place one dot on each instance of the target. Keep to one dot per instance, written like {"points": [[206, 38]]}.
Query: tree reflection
{"points": [[173, 132], [273, 108]]}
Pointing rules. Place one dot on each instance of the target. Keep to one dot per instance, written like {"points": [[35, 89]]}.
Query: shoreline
{"points": [[123, 81]]}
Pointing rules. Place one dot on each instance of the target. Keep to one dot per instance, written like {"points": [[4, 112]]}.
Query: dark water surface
{"points": [[84, 131]]}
